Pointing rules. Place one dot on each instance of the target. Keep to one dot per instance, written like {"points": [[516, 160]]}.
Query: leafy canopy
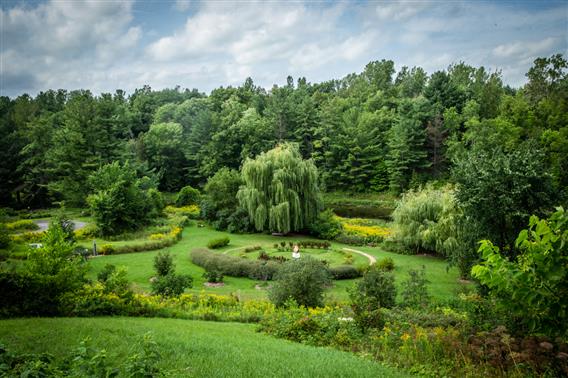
{"points": [[281, 192], [534, 287]]}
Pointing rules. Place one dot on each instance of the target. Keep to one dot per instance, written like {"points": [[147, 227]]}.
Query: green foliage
{"points": [[218, 243], [386, 264], [415, 289], [281, 192], [533, 287], [167, 283], [426, 221], [302, 280], [374, 291], [498, 190], [4, 236], [187, 196], [48, 275], [118, 202], [84, 361], [213, 276], [23, 224], [344, 272], [164, 264], [234, 266], [326, 226], [171, 285]]}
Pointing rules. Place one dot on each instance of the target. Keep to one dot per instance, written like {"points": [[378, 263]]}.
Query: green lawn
{"points": [[443, 283], [190, 348]]}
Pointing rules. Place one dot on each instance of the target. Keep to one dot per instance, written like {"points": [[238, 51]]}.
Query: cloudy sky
{"points": [[104, 45]]}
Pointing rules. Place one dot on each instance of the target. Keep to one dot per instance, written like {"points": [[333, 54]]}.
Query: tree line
{"points": [[378, 130]]}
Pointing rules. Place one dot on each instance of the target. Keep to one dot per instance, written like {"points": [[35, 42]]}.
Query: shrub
{"points": [[164, 264], [50, 272], [531, 287], [218, 243], [157, 201], [375, 290], [253, 248], [213, 276], [88, 232], [167, 283], [4, 237], [302, 280], [386, 264], [187, 196], [171, 285], [191, 211], [106, 249], [415, 290], [118, 201], [22, 225], [344, 272], [234, 266], [350, 239], [326, 226]]}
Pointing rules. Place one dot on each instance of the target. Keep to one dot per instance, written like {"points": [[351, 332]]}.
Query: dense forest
{"points": [[379, 130]]}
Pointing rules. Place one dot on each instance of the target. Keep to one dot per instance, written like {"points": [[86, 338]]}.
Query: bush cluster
{"points": [[344, 272], [166, 282], [386, 263], [234, 266], [302, 280], [24, 224], [187, 196], [218, 243], [167, 241], [326, 226], [252, 248]]}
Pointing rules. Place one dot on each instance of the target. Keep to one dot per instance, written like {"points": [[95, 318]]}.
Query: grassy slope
{"points": [[190, 348], [140, 269]]}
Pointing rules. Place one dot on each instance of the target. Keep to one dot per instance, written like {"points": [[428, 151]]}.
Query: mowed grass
{"points": [[189, 348], [443, 283]]}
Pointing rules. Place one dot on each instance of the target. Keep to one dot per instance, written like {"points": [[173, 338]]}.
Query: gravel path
{"points": [[372, 259], [44, 224]]}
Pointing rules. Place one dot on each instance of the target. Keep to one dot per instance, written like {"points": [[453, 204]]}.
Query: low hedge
{"points": [[218, 243], [344, 272], [234, 266], [24, 224]]}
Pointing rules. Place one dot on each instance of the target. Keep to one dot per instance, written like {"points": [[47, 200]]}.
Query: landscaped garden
{"points": [[196, 243]]}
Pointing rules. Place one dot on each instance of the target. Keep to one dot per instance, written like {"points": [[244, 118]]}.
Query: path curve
{"points": [[44, 224], [232, 249], [372, 259]]}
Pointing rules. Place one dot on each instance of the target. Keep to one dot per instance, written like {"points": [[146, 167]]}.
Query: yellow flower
{"points": [[405, 336]]}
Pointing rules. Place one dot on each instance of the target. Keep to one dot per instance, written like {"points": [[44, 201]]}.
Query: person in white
{"points": [[296, 252]]}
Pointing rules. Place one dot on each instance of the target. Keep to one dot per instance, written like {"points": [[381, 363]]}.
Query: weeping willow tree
{"points": [[280, 191]]}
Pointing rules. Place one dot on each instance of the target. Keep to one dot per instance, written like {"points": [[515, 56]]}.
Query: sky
{"points": [[104, 45]]}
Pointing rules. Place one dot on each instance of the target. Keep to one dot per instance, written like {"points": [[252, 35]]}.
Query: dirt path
{"points": [[372, 259], [44, 224]]}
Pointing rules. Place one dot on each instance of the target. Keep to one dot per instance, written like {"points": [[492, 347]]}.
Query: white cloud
{"points": [[524, 49], [105, 45], [57, 43]]}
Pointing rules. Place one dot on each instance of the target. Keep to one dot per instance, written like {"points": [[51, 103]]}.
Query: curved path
{"points": [[372, 259], [44, 224]]}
